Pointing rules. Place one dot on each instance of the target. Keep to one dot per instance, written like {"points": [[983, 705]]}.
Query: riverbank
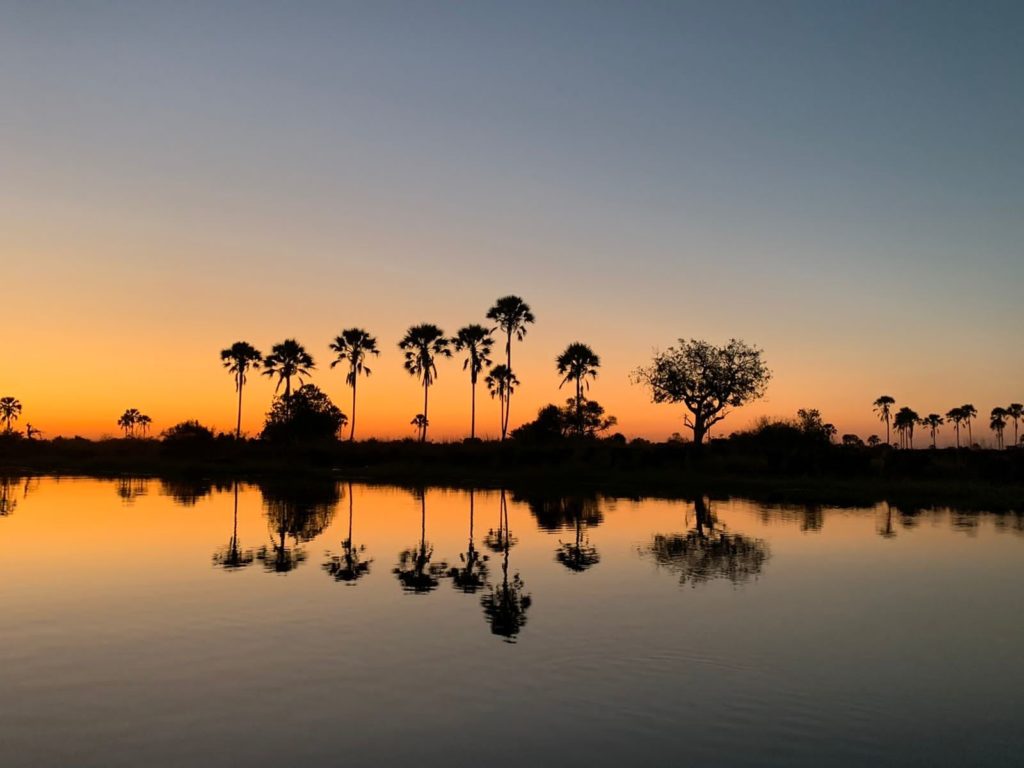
{"points": [[835, 475]]}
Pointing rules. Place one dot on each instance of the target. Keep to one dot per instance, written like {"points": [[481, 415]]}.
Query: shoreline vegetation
{"points": [[792, 468]]}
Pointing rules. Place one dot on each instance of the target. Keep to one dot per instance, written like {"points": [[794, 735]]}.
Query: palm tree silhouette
{"points": [[476, 341], [501, 383], [286, 361], [578, 363], [415, 571], [472, 575], [422, 345], [904, 421], [143, 422], [300, 512], [10, 409], [352, 346], [997, 423], [128, 420], [933, 421], [883, 407], [956, 415], [238, 359], [232, 557], [1015, 411], [512, 315], [505, 604], [350, 566], [969, 412]]}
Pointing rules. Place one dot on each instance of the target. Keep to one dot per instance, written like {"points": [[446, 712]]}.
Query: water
{"points": [[138, 628]]}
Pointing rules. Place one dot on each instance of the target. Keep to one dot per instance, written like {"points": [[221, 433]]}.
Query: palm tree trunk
{"points": [[238, 424], [887, 439], [579, 407], [472, 408], [426, 388], [352, 434], [507, 408], [970, 433]]}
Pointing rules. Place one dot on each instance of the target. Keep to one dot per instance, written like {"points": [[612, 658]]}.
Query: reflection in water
{"points": [[297, 511], [232, 557], [577, 513], [350, 565], [415, 571], [704, 553], [472, 574], [9, 487], [187, 492], [501, 539], [131, 488], [505, 605]]}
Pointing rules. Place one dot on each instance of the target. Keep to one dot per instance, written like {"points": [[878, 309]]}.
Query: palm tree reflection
{"points": [[500, 539], [350, 565], [472, 575], [232, 557], [708, 552], [415, 571], [130, 488], [8, 500], [505, 604], [299, 512]]}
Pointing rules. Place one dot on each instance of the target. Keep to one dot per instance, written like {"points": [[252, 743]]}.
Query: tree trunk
{"points": [[238, 425], [352, 433], [472, 407], [423, 434]]}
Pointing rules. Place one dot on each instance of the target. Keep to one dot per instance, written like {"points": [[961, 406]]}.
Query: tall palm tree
{"points": [[883, 407], [933, 421], [10, 409], [238, 359], [997, 423], [143, 421], [352, 346], [422, 345], [501, 383], [286, 361], [970, 412], [578, 363], [512, 315], [1015, 411], [904, 421], [128, 420], [476, 341], [956, 415]]}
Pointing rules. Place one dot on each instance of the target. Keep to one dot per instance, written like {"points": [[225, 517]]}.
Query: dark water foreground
{"points": [[166, 623]]}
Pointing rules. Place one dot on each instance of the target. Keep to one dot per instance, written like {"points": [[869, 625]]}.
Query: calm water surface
{"points": [[148, 623]]}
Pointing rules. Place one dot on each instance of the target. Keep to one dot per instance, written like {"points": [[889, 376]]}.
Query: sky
{"points": [[839, 183]]}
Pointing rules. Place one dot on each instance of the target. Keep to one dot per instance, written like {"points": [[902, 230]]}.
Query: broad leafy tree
{"points": [[707, 379]]}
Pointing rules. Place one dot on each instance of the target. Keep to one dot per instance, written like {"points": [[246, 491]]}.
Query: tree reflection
{"points": [[505, 604], [415, 570], [577, 513], [501, 539], [232, 557], [131, 488], [9, 494], [350, 565], [299, 512], [708, 552], [187, 492], [472, 574]]}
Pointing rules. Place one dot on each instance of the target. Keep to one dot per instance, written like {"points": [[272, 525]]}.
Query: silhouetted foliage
{"points": [[352, 346], [577, 364], [512, 315], [286, 361], [883, 407], [10, 410], [707, 379], [187, 431], [422, 345], [476, 341], [238, 359], [307, 415]]}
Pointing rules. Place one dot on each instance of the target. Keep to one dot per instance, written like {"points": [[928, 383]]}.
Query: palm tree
{"points": [[415, 570], [352, 346], [422, 345], [512, 315], [501, 383], [238, 359], [577, 363], [997, 423], [128, 420], [970, 412], [351, 565], [956, 415], [143, 422], [476, 341], [288, 360], [10, 409], [420, 422], [874, 440], [933, 421], [904, 422], [1015, 411], [883, 407]]}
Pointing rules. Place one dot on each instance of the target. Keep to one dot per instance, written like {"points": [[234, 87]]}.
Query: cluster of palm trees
{"points": [[905, 419], [134, 423], [423, 345], [10, 410]]}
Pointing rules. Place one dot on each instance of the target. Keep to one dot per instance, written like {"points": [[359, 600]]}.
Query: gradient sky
{"points": [[839, 183]]}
